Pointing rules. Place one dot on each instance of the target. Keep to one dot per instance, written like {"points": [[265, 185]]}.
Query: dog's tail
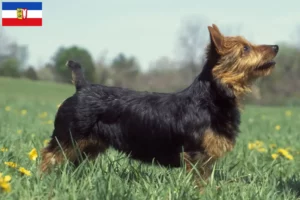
{"points": [[77, 75]]}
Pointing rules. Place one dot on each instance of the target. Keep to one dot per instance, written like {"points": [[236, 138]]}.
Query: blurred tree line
{"points": [[163, 74]]}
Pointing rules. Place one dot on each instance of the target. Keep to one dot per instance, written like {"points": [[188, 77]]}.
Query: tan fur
{"points": [[235, 68], [216, 145], [236, 63], [87, 147]]}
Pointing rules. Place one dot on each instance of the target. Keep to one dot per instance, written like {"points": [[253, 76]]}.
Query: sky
{"points": [[149, 29]]}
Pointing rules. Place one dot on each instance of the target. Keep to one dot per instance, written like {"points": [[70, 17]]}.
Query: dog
{"points": [[196, 125]]}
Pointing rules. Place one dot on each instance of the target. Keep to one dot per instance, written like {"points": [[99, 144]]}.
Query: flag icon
{"points": [[22, 14]]}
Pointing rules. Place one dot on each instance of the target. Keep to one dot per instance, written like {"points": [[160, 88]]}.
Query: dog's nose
{"points": [[275, 48]]}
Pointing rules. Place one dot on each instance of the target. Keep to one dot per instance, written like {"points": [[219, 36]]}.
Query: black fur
{"points": [[148, 125]]}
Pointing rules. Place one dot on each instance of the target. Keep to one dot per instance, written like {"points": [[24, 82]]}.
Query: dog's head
{"points": [[237, 62]]}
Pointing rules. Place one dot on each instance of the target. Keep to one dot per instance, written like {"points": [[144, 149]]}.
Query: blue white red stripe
{"points": [[31, 14]]}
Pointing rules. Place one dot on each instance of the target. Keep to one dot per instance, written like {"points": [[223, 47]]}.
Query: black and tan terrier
{"points": [[199, 124]]}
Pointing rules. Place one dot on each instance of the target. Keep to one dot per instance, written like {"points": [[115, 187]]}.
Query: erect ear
{"points": [[216, 38], [217, 29]]}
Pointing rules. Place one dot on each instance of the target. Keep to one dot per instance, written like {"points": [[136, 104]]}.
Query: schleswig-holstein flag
{"points": [[22, 14]]}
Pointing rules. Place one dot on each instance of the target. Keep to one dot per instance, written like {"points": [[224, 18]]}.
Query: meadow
{"points": [[265, 163]]}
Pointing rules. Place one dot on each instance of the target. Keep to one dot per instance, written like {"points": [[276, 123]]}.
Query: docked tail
{"points": [[77, 74]]}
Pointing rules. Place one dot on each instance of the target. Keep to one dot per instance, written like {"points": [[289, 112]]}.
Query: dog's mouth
{"points": [[265, 66]]}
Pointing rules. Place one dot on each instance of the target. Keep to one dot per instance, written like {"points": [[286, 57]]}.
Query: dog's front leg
{"points": [[200, 165]]}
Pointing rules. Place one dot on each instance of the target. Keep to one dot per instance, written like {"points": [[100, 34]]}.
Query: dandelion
{"points": [[33, 154], [289, 157], [262, 149], [46, 142], [275, 156], [272, 146], [277, 127], [251, 146], [49, 122], [285, 153], [43, 115], [288, 113], [11, 164], [7, 108], [4, 183], [24, 171], [23, 112], [259, 143], [282, 151], [19, 131], [3, 149]]}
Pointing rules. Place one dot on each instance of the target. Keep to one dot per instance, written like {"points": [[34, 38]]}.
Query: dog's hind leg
{"points": [[77, 75], [55, 153]]}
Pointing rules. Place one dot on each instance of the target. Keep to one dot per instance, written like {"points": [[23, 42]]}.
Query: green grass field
{"points": [[27, 111]]}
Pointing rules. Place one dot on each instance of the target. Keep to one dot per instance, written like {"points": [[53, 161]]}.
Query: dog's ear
{"points": [[216, 28], [216, 38]]}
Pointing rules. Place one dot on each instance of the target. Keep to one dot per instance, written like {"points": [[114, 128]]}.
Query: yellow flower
{"points": [[33, 154], [255, 145], [259, 143], [58, 105], [4, 183], [46, 142], [23, 112], [289, 156], [4, 149], [24, 171], [251, 146], [285, 153], [7, 108], [7, 178], [19, 131], [273, 146], [11, 164], [288, 113], [43, 115], [274, 156], [49, 122], [5, 186], [277, 127], [262, 149], [282, 151]]}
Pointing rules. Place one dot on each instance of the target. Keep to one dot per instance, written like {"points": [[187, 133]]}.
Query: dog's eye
{"points": [[246, 48]]}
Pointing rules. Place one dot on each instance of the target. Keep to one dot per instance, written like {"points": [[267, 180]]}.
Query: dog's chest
{"points": [[225, 121]]}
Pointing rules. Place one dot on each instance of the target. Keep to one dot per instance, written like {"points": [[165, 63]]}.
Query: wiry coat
{"points": [[201, 121], [150, 125]]}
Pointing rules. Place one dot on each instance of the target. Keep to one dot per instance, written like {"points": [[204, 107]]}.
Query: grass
{"points": [[242, 174]]}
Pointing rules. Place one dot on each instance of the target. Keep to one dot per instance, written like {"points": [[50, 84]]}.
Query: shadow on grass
{"points": [[291, 184]]}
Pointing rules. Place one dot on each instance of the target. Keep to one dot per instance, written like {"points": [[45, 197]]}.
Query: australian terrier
{"points": [[197, 125]]}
